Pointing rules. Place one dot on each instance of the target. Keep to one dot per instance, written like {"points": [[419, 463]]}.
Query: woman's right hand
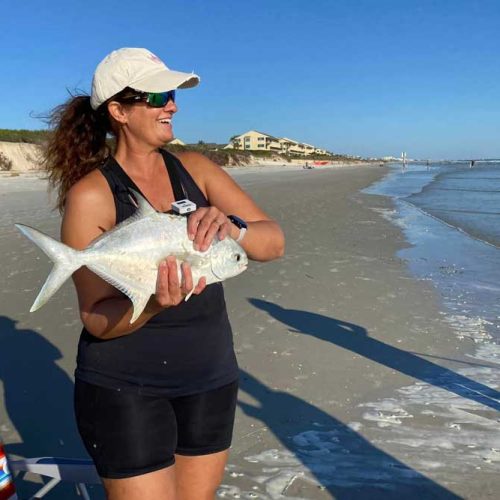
{"points": [[169, 292]]}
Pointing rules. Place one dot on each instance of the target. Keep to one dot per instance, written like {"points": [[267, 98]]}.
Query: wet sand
{"points": [[352, 382]]}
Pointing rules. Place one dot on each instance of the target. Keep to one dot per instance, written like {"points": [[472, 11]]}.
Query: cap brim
{"points": [[166, 80]]}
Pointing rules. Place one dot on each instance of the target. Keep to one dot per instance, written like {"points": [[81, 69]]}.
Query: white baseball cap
{"points": [[139, 69]]}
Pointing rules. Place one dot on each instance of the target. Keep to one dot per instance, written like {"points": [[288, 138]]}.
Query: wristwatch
{"points": [[240, 224]]}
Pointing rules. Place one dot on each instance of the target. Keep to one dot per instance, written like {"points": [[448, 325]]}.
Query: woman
{"points": [[154, 400]]}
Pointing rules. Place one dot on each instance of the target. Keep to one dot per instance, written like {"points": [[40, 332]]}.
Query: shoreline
{"points": [[326, 338]]}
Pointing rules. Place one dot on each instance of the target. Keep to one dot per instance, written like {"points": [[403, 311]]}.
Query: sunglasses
{"points": [[153, 99]]}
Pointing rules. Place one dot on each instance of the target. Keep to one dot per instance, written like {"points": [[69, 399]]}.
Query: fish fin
{"points": [[66, 262], [144, 208], [139, 303], [139, 295]]}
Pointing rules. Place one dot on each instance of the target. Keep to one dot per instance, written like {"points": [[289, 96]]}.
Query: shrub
{"points": [[222, 157], [30, 136], [5, 163]]}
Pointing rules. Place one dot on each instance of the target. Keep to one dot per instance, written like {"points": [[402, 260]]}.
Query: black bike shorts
{"points": [[128, 434]]}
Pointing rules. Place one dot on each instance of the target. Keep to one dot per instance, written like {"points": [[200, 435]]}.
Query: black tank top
{"points": [[184, 349]]}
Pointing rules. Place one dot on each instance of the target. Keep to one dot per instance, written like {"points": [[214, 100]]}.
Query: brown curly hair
{"points": [[78, 142]]}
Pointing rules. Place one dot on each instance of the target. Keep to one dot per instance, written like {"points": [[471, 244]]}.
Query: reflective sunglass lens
{"points": [[170, 95], [160, 99], [157, 100]]}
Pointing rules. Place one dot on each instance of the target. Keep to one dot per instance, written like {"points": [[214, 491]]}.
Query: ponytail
{"points": [[77, 145]]}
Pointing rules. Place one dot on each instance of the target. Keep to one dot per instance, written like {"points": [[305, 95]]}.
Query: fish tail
{"points": [[66, 262]]}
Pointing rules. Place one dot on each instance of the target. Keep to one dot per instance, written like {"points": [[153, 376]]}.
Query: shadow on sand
{"points": [[38, 399], [343, 462], [356, 339]]}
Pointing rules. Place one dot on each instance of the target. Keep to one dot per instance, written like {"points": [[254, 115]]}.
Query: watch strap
{"points": [[243, 230], [240, 224]]}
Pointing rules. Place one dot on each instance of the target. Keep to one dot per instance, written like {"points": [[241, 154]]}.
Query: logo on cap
{"points": [[155, 59]]}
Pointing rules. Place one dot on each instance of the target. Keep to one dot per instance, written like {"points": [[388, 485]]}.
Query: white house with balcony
{"points": [[309, 149], [253, 140], [177, 142], [294, 147]]}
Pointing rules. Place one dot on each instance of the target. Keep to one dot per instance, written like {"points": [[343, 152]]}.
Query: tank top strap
{"points": [[171, 162], [119, 185], [190, 189]]}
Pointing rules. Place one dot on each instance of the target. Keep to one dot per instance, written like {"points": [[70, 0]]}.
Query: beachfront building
{"points": [[308, 149], [286, 144], [254, 140], [177, 142], [294, 147]]}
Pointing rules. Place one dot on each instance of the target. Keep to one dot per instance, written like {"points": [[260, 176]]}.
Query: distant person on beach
{"points": [[472, 163], [154, 401]]}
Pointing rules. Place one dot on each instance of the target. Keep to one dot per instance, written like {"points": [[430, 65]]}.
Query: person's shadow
{"points": [[356, 339], [38, 399], [342, 461]]}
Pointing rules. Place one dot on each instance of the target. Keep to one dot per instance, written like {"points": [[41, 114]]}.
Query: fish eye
{"points": [[238, 257]]}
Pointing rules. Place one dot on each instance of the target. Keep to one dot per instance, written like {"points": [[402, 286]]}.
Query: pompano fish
{"points": [[128, 255]]}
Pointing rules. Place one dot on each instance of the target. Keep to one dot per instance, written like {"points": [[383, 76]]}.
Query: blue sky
{"points": [[360, 77]]}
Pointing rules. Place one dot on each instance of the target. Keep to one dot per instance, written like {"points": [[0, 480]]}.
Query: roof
{"points": [[289, 140], [261, 133]]}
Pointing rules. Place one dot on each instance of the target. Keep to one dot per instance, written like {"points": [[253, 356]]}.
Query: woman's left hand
{"points": [[204, 224]]}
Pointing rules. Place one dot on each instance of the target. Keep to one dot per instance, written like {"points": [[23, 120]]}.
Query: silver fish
{"points": [[128, 256]]}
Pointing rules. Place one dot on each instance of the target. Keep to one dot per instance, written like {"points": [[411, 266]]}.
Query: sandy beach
{"points": [[353, 384]]}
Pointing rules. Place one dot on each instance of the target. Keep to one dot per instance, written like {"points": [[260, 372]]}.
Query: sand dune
{"points": [[24, 157]]}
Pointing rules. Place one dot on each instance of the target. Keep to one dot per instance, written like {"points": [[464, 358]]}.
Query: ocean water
{"points": [[450, 215]]}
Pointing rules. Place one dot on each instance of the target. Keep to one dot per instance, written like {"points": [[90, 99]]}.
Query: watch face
{"points": [[240, 223]]}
